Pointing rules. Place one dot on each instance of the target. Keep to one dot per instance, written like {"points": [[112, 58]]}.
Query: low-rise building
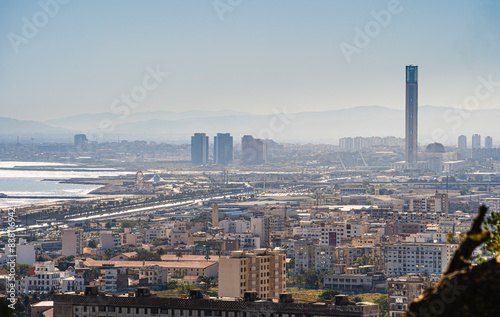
{"points": [[142, 304]]}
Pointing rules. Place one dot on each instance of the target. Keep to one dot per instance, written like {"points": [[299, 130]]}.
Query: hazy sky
{"points": [[244, 55]]}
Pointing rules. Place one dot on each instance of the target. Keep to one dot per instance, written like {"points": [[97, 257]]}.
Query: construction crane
{"points": [[345, 169], [364, 162]]}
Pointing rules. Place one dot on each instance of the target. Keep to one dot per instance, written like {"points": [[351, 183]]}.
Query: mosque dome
{"points": [[435, 148]]}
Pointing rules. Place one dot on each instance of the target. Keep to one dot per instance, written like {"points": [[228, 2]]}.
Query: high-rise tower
{"points": [[462, 142], [223, 149], [215, 215], [199, 149], [411, 114], [476, 141]]}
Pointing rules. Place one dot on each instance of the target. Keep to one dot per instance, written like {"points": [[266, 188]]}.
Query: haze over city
{"points": [[252, 57], [232, 158]]}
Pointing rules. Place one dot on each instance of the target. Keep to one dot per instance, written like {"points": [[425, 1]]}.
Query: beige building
{"points": [[72, 243], [260, 271], [155, 275], [129, 238]]}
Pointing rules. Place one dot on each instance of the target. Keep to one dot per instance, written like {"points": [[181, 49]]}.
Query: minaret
{"points": [[215, 216], [411, 115]]}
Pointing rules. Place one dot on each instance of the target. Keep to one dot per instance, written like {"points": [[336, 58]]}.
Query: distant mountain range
{"points": [[435, 124]]}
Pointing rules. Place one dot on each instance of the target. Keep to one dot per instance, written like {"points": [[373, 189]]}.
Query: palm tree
{"points": [[178, 255], [207, 257]]}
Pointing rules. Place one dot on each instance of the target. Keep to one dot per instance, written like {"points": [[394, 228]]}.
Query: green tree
{"points": [[92, 244], [364, 260], [156, 242], [109, 253], [22, 269], [207, 280], [328, 294], [179, 273], [207, 257], [383, 305], [144, 255], [108, 225], [127, 224], [178, 255]]}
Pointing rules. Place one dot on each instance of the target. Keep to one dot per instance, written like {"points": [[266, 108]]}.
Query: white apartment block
{"points": [[247, 240], [333, 233], [260, 271], [72, 241], [404, 258], [25, 252], [234, 226], [260, 227], [307, 232], [72, 283], [45, 278]]}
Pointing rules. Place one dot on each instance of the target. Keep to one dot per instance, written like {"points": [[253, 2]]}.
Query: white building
{"points": [[234, 226], [333, 233], [25, 252], [404, 258], [247, 240], [72, 242], [307, 230], [45, 278], [72, 283], [260, 227]]}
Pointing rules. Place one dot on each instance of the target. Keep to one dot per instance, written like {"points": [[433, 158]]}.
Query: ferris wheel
{"points": [[139, 181]]}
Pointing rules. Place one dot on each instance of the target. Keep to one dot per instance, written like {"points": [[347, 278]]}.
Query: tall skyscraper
{"points": [[253, 151], [199, 149], [476, 141], [488, 142], [411, 114], [462, 142], [80, 140], [223, 149]]}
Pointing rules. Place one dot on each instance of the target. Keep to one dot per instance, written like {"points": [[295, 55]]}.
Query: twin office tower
{"points": [[223, 149]]}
